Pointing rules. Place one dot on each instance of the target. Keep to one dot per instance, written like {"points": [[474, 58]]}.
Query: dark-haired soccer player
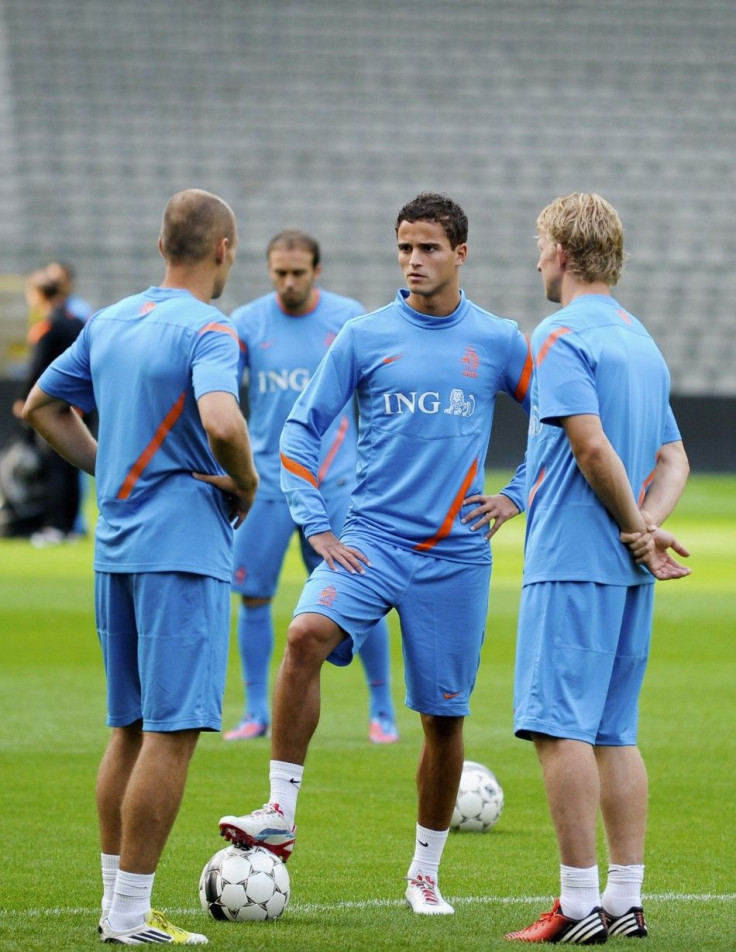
{"points": [[426, 370], [283, 337], [161, 367], [605, 466]]}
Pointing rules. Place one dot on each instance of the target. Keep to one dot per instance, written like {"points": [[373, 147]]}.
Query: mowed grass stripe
{"points": [[347, 905]]}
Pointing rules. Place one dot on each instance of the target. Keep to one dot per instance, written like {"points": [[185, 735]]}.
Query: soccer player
{"points": [[283, 337], [161, 367], [426, 370], [605, 467]]}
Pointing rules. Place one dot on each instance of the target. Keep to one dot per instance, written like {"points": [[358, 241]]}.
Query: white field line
{"points": [[312, 907]]}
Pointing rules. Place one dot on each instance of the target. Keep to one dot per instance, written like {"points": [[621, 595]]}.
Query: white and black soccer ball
{"points": [[479, 801], [244, 885]]}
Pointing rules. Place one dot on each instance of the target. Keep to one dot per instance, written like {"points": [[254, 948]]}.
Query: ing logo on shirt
{"points": [[471, 362], [429, 402], [331, 335], [279, 381], [328, 596]]}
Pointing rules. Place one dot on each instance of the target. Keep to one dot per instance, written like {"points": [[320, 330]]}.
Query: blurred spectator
{"points": [[64, 274], [49, 338], [75, 306]]}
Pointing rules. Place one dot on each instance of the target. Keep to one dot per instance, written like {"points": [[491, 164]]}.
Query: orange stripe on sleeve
{"points": [[222, 329], [645, 486], [444, 529], [535, 487], [526, 375], [553, 337], [333, 450], [147, 455], [298, 470]]}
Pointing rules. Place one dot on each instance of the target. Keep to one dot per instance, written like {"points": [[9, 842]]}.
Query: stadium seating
{"points": [[329, 115]]}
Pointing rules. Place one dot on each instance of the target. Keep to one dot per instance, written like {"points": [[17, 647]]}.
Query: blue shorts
{"points": [[263, 539], [442, 608], [581, 653], [165, 639]]}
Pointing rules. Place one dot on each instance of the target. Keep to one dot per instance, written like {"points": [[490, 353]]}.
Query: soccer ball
{"points": [[244, 885], [479, 799]]}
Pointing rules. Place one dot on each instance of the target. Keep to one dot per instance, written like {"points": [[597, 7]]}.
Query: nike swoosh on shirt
{"points": [[448, 697], [390, 360]]}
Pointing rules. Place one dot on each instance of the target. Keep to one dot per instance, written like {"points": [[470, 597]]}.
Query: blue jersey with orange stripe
{"points": [[591, 357], [426, 390], [143, 363], [279, 354]]}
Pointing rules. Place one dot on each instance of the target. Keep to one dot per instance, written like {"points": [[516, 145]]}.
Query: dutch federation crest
{"points": [[459, 406], [535, 424]]}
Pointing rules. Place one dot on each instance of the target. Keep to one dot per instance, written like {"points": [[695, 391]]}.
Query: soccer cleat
{"points": [[156, 928], [555, 927], [631, 923], [247, 729], [383, 730], [423, 896], [266, 827]]}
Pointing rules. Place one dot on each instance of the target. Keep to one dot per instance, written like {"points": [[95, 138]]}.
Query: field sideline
{"points": [[356, 813]]}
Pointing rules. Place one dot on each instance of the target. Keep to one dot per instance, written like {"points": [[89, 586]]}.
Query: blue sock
{"points": [[377, 663], [255, 639]]}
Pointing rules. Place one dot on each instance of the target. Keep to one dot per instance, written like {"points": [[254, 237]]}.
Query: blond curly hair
{"points": [[590, 230]]}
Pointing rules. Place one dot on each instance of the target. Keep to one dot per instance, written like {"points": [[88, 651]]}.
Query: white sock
{"points": [[110, 866], [428, 848], [580, 891], [131, 901], [623, 889], [285, 780]]}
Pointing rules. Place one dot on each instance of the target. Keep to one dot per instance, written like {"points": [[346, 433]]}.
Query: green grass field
{"points": [[357, 810]]}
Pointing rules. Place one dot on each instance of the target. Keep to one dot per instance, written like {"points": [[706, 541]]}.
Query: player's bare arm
{"points": [[227, 433], [606, 475], [62, 428], [329, 547], [492, 511], [668, 481]]}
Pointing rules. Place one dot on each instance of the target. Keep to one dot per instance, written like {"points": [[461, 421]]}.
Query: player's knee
{"points": [[442, 730], [311, 638]]}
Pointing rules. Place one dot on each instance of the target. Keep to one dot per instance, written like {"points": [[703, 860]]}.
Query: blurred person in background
{"points": [[76, 306], [66, 276], [284, 335], [49, 337]]}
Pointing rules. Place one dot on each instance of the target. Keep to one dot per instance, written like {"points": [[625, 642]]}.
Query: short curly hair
{"points": [[433, 207], [590, 230]]}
